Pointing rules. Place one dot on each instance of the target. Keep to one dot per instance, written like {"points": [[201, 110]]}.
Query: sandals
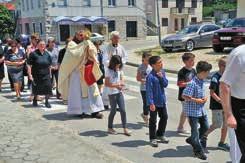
{"points": [[112, 131]]}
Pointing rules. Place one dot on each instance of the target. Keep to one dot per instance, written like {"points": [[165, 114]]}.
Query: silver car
{"points": [[190, 37]]}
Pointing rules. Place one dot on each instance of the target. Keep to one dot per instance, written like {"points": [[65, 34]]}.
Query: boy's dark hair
{"points": [[153, 60], [115, 60], [146, 54], [203, 66], [187, 56]]}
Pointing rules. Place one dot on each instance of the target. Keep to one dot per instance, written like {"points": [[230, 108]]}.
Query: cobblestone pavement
{"points": [[26, 137]]}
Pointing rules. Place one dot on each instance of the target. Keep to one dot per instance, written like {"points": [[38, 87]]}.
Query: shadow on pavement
{"points": [[94, 133], [174, 134], [132, 143], [63, 117], [180, 151], [133, 126]]}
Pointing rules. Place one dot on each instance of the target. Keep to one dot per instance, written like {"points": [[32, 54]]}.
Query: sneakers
{"points": [[224, 146], [154, 143], [145, 119], [163, 139], [200, 155]]}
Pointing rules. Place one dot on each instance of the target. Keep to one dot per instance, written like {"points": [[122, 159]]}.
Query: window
{"points": [[41, 28], [27, 28], [111, 25], [34, 27], [164, 22], [131, 2], [164, 3], [111, 2], [131, 28], [86, 3], [180, 4], [64, 32], [32, 6], [27, 4], [65, 2], [39, 4], [194, 3], [193, 20], [23, 4]]}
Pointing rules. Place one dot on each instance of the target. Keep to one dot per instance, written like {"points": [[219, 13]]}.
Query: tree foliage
{"points": [[222, 5], [6, 22]]}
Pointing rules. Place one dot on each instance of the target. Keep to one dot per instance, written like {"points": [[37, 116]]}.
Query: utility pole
{"points": [[101, 8], [158, 22]]}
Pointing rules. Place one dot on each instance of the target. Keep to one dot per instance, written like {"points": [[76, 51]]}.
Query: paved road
{"points": [[56, 137]]}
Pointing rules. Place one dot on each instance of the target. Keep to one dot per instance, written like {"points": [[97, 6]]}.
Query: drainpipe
{"points": [[101, 8], [158, 22]]}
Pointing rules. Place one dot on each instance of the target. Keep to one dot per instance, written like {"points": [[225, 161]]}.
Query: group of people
{"points": [[91, 79]]}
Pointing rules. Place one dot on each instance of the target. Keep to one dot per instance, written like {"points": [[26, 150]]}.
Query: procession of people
{"points": [[91, 79]]}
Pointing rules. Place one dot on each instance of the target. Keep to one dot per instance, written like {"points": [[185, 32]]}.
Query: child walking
{"points": [[194, 95], [218, 119], [143, 70], [114, 81], [185, 75], [156, 81]]}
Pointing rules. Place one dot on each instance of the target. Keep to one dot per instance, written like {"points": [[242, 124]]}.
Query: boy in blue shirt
{"points": [[194, 96], [156, 81]]}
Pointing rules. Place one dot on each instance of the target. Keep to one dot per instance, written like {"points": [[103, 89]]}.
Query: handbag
{"points": [[88, 73], [92, 73]]}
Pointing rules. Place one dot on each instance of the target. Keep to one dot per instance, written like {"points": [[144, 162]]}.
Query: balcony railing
{"points": [[185, 11]]}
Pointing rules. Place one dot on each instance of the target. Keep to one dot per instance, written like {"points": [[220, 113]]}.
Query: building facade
{"points": [[37, 16], [174, 14], [240, 8]]}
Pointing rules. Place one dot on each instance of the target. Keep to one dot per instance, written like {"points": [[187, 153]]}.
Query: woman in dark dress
{"points": [[1, 67], [15, 59], [39, 73]]}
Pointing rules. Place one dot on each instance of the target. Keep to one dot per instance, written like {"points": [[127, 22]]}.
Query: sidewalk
{"points": [[27, 137]]}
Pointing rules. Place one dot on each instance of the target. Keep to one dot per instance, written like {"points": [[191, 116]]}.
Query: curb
{"points": [[166, 70]]}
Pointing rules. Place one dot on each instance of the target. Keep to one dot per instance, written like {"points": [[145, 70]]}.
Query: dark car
{"points": [[190, 37], [232, 35]]}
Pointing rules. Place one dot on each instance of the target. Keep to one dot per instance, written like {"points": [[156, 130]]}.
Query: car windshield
{"points": [[236, 23], [189, 29]]}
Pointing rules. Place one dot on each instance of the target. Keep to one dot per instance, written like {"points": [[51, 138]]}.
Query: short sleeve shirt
{"points": [[114, 77], [185, 75], [54, 53], [144, 70], [14, 57], [234, 74], [214, 85]]}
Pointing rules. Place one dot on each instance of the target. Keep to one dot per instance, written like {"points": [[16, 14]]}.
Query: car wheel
{"points": [[168, 50], [190, 45], [218, 48]]}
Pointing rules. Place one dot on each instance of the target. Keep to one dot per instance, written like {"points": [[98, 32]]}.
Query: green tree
{"points": [[6, 22]]}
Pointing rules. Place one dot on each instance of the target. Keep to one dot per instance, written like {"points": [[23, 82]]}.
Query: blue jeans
{"points": [[197, 134]]}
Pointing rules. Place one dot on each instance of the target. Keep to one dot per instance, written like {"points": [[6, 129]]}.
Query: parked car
{"points": [[97, 37], [232, 35], [190, 37]]}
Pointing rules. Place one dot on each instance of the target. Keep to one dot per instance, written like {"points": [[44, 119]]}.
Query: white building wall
{"points": [[240, 8]]}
